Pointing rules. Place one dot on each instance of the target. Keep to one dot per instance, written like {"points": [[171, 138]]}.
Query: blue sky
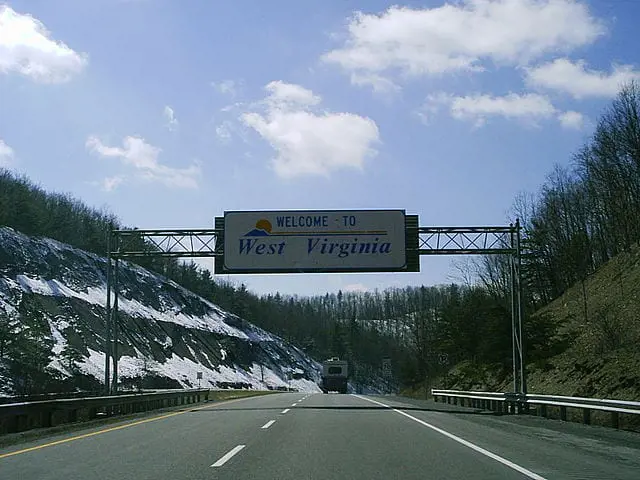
{"points": [[170, 112]]}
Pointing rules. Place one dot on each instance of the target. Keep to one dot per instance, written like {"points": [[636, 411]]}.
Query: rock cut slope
{"points": [[168, 334]]}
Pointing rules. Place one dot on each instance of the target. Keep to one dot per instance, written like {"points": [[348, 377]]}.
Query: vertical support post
{"points": [[107, 346], [523, 373], [563, 413], [116, 287], [513, 312]]}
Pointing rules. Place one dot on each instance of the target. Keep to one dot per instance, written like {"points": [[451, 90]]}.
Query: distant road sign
{"points": [[386, 367], [198, 375], [314, 241]]}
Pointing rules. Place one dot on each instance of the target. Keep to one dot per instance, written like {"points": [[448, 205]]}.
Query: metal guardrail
{"points": [[17, 417], [519, 403]]}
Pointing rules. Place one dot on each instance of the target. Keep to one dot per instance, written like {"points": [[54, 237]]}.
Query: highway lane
{"points": [[550, 448], [301, 436], [176, 447], [345, 437]]}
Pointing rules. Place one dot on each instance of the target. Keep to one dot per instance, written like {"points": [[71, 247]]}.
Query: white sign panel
{"points": [[290, 241]]}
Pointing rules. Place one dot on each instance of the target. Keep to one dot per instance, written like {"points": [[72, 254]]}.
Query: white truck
{"points": [[334, 375]]}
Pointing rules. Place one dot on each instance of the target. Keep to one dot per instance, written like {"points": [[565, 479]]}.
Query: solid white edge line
{"points": [[268, 424], [226, 457], [462, 441], [285, 410]]}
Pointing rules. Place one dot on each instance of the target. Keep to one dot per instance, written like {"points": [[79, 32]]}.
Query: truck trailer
{"points": [[334, 376]]}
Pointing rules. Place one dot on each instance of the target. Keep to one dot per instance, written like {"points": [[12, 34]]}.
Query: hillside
{"points": [[601, 358], [592, 356], [53, 297]]}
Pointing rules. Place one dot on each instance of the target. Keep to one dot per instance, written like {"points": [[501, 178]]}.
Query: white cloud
{"points": [[462, 36], [529, 108], [571, 120], [577, 80], [378, 83], [6, 154], [477, 108], [111, 183], [170, 117], [226, 87], [223, 131], [289, 95], [143, 158], [310, 143], [355, 287], [26, 47]]}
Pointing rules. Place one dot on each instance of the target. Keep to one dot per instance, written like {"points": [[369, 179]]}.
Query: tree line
{"points": [[588, 213]]}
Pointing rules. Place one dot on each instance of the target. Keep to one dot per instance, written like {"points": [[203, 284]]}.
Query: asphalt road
{"points": [[299, 436]]}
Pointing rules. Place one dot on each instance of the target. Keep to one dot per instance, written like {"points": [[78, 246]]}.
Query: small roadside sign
{"points": [[386, 367]]}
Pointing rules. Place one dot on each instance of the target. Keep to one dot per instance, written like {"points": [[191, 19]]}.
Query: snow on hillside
{"points": [[167, 332]]}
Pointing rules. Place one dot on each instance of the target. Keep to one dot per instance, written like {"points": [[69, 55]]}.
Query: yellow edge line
{"points": [[112, 429]]}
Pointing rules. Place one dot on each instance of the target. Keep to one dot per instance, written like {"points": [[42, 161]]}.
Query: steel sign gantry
{"points": [[202, 243]]}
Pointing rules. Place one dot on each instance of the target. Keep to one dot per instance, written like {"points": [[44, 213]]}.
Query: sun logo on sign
{"points": [[263, 229]]}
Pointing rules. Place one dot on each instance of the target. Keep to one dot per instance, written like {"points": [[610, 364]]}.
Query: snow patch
{"points": [[97, 296], [94, 365]]}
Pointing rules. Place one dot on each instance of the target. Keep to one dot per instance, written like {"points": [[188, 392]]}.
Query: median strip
{"points": [[462, 441], [226, 457]]}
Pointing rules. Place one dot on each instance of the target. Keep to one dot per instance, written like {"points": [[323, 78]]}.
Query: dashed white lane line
{"points": [[268, 424], [466, 443], [226, 457], [285, 410], [294, 404]]}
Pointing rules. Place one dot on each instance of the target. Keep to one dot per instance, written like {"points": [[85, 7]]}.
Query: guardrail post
{"points": [[543, 410], [499, 406], [586, 416], [563, 413], [21, 422], [46, 418], [615, 420], [72, 416], [12, 424]]}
